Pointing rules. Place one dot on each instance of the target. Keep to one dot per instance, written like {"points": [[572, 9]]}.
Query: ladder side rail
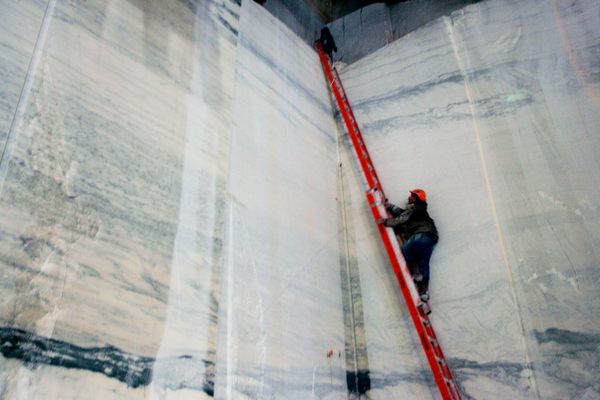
{"points": [[375, 197], [350, 110], [391, 242], [360, 141], [372, 180]]}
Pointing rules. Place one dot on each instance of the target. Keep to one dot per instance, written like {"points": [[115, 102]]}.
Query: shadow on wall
{"points": [[302, 17], [370, 28], [410, 15], [359, 27]]}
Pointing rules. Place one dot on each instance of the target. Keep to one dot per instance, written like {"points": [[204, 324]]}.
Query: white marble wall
{"points": [[409, 98], [532, 75], [21, 22], [281, 308], [112, 197], [494, 112], [173, 224]]}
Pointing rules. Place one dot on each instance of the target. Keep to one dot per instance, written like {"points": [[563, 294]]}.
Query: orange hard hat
{"points": [[420, 193]]}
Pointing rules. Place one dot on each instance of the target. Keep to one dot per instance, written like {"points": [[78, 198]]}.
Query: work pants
{"points": [[417, 250]]}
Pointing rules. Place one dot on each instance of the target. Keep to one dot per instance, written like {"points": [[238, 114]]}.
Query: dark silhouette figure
{"points": [[327, 42]]}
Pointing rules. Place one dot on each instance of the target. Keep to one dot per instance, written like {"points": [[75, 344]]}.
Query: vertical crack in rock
{"points": [[357, 362]]}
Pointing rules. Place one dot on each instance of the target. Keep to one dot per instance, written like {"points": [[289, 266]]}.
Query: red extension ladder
{"points": [[376, 197]]}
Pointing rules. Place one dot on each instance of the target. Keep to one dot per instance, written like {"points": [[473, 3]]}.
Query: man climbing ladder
{"points": [[416, 229], [376, 198]]}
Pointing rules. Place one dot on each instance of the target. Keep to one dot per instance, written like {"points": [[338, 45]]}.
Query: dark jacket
{"points": [[412, 220], [327, 41]]}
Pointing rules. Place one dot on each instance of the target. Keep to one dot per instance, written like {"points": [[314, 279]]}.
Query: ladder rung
{"points": [[424, 308]]}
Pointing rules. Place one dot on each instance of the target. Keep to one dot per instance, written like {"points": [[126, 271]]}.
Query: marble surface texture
{"points": [[494, 111], [181, 215], [281, 308], [112, 196], [18, 35]]}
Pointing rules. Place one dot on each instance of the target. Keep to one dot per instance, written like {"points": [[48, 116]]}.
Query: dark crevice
{"points": [[133, 370]]}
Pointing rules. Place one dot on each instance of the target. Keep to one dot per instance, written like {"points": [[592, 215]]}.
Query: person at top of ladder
{"points": [[327, 42], [414, 225]]}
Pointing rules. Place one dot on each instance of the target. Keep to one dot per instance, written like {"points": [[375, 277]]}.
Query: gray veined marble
{"points": [[113, 195], [181, 216], [494, 111], [281, 308]]}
